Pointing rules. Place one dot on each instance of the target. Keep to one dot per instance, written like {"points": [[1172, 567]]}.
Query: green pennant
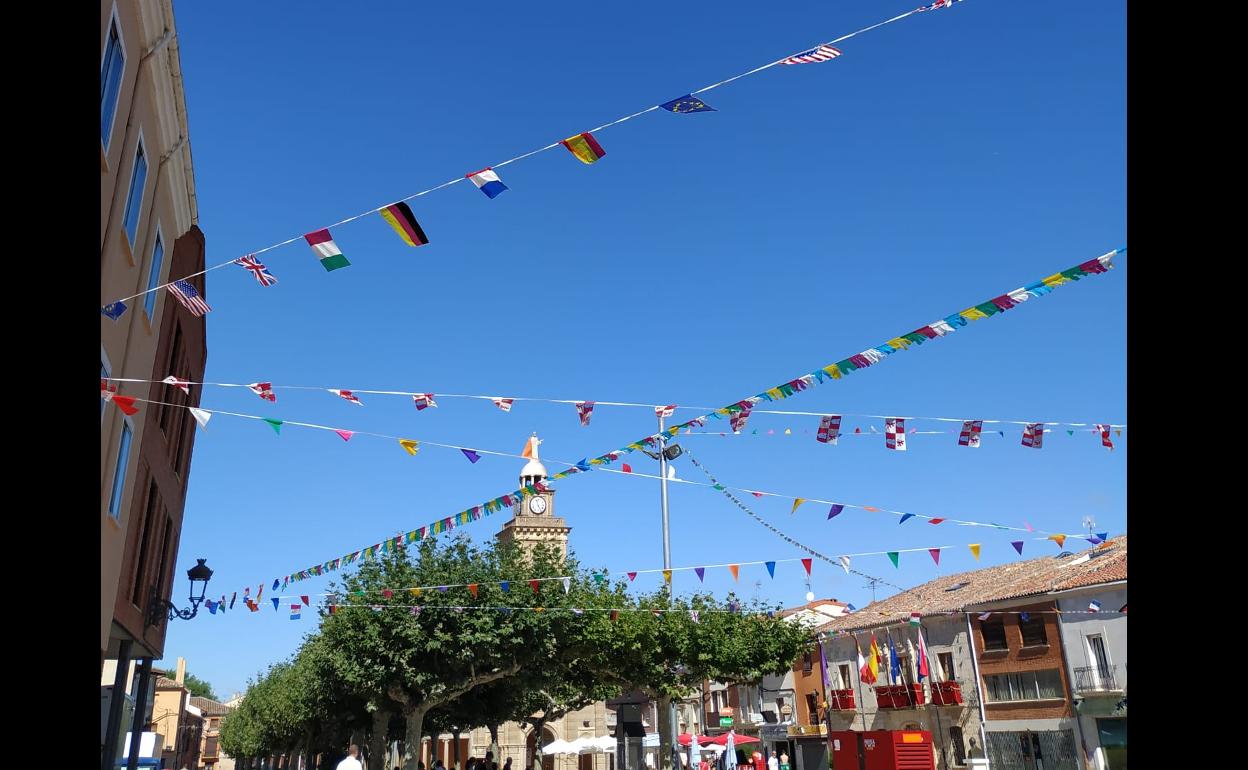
{"points": [[893, 556], [599, 578], [1070, 433], [277, 424]]}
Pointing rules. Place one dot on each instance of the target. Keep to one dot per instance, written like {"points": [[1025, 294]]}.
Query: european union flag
{"points": [[688, 103], [114, 309]]}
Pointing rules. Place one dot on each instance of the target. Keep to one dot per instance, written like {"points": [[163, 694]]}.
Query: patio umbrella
{"points": [[693, 752], [730, 747]]}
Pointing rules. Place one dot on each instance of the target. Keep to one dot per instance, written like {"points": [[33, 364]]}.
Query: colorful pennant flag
{"points": [[503, 403], [113, 310], [894, 556], [305, 601], [935, 552], [295, 613], [667, 576], [1033, 435], [626, 468], [970, 433], [814, 55], [505, 585], [687, 103], [700, 572], [934, 521], [534, 585], [895, 434], [1018, 546], [829, 429], [185, 293], [182, 385], [631, 576], [584, 411], [257, 270], [1059, 539], [796, 502], [567, 585], [974, 550], [737, 420], [326, 250], [423, 401], [693, 615], [274, 584], [345, 435], [125, 404], [471, 455], [735, 569], [844, 560], [1105, 440], [904, 517], [276, 601], [409, 446], [807, 564], [264, 390], [585, 147], [665, 411], [233, 597], [1094, 606], [472, 589], [275, 424], [400, 217], [916, 618], [771, 568], [530, 448], [347, 395], [835, 510], [615, 615], [934, 6], [487, 181]]}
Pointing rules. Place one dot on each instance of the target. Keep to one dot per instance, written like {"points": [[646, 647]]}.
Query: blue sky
{"points": [[824, 208]]}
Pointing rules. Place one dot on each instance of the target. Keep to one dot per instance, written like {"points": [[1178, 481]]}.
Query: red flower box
{"points": [[911, 695], [842, 700], [946, 693]]}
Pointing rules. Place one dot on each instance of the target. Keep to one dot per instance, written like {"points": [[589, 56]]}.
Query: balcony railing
{"points": [[1093, 679]]}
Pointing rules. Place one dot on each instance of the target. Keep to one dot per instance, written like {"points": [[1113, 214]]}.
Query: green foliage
{"points": [[199, 688]]}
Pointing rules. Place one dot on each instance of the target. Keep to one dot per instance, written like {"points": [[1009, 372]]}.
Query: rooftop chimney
{"points": [[180, 678]]}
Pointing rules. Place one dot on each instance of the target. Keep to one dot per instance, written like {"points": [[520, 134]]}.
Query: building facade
{"points": [[210, 754], [148, 236], [178, 722]]}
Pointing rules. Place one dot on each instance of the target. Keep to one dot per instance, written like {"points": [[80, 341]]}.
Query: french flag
{"points": [[488, 182]]}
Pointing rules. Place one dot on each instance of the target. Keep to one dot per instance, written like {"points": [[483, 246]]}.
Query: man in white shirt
{"points": [[772, 763], [352, 760]]}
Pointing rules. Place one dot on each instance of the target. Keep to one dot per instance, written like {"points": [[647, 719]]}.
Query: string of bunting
{"points": [[969, 436], [829, 424], [399, 216], [937, 329], [473, 454]]}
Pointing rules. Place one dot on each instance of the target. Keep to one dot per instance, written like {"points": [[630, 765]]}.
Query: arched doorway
{"points": [[548, 760]]}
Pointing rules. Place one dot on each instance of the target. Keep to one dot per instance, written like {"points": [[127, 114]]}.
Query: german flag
{"points": [[404, 223], [585, 147]]}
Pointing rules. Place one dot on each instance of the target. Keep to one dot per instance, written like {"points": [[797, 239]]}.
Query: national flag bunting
{"points": [[687, 103], [1105, 440], [182, 385], [584, 411], [829, 429], [326, 250], [295, 613], [190, 299], [665, 411], [113, 310], [263, 390], [585, 147], [423, 401], [814, 55], [487, 181], [935, 5], [1094, 606], [257, 269], [400, 217], [1033, 435], [895, 434], [915, 618], [738, 419], [970, 433], [503, 403], [347, 395]]}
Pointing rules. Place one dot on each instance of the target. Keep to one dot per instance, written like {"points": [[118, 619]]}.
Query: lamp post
{"points": [[199, 575]]}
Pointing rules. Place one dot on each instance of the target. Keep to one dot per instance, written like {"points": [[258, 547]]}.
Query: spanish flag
{"points": [[584, 147], [404, 223]]}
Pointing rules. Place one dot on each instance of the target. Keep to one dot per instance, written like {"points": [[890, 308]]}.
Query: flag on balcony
{"points": [[894, 662], [924, 671], [872, 671]]}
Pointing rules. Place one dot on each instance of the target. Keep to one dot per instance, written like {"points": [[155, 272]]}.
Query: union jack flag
{"points": [[257, 269], [190, 299], [822, 53]]}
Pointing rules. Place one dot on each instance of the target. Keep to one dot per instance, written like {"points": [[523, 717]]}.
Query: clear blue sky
{"points": [[823, 209]]}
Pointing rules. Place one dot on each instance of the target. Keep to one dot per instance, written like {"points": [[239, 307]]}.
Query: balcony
{"points": [[899, 696], [1094, 680]]}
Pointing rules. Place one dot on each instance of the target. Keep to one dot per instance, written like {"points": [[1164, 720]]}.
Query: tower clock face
{"points": [[537, 505]]}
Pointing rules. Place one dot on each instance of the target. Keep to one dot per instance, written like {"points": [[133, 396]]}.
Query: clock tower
{"points": [[533, 520]]}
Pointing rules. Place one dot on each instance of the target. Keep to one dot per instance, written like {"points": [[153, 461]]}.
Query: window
{"points": [[134, 198], [1025, 685], [993, 632], [808, 663], [847, 682], [946, 665], [110, 80], [166, 558], [150, 517], [153, 276], [1033, 631], [210, 746], [812, 709], [957, 746], [119, 473]]}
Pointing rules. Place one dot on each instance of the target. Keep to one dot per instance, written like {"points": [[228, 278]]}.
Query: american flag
{"points": [[822, 53], [257, 269], [190, 299]]}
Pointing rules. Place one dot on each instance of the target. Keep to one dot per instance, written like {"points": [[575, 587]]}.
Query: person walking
{"points": [[352, 760]]}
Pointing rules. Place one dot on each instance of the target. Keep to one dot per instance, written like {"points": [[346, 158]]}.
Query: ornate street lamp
{"points": [[199, 576]]}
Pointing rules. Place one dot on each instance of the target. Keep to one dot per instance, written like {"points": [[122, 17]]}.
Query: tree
{"points": [[199, 688]]}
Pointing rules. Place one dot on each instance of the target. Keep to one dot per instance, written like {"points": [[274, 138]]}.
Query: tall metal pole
{"points": [[673, 727]]}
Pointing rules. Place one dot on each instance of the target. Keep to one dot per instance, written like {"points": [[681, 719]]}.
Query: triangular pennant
{"points": [[757, 494], [905, 516], [201, 416], [934, 521], [632, 576], [835, 510], [345, 434], [264, 390], [626, 468], [180, 384], [347, 395], [667, 576], [893, 556], [771, 568], [1018, 546], [935, 552], [584, 411], [472, 589], [693, 615], [471, 455], [796, 502], [700, 572], [1059, 539], [1103, 535], [409, 446], [276, 424], [505, 585], [533, 584], [125, 404], [807, 564], [600, 578], [974, 550], [305, 601], [567, 585], [276, 601], [735, 570], [615, 615], [423, 401], [844, 560], [386, 592]]}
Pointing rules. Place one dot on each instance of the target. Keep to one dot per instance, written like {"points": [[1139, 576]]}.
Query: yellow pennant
{"points": [[1059, 539], [796, 502], [409, 446], [975, 550], [788, 431], [414, 591], [667, 576]]}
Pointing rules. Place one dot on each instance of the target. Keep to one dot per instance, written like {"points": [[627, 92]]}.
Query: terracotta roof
{"points": [[163, 683], [1104, 564], [210, 707]]}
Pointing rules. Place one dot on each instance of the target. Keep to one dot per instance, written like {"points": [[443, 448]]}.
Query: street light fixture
{"points": [[199, 575]]}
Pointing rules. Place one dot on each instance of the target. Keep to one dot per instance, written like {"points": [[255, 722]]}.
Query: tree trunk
{"points": [[414, 725], [537, 742], [455, 749], [377, 740], [494, 743], [666, 739]]}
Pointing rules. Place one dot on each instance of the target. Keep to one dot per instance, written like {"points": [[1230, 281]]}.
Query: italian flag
{"points": [[326, 250]]}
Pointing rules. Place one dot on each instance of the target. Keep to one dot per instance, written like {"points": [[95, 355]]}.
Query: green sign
{"points": [[725, 721]]}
